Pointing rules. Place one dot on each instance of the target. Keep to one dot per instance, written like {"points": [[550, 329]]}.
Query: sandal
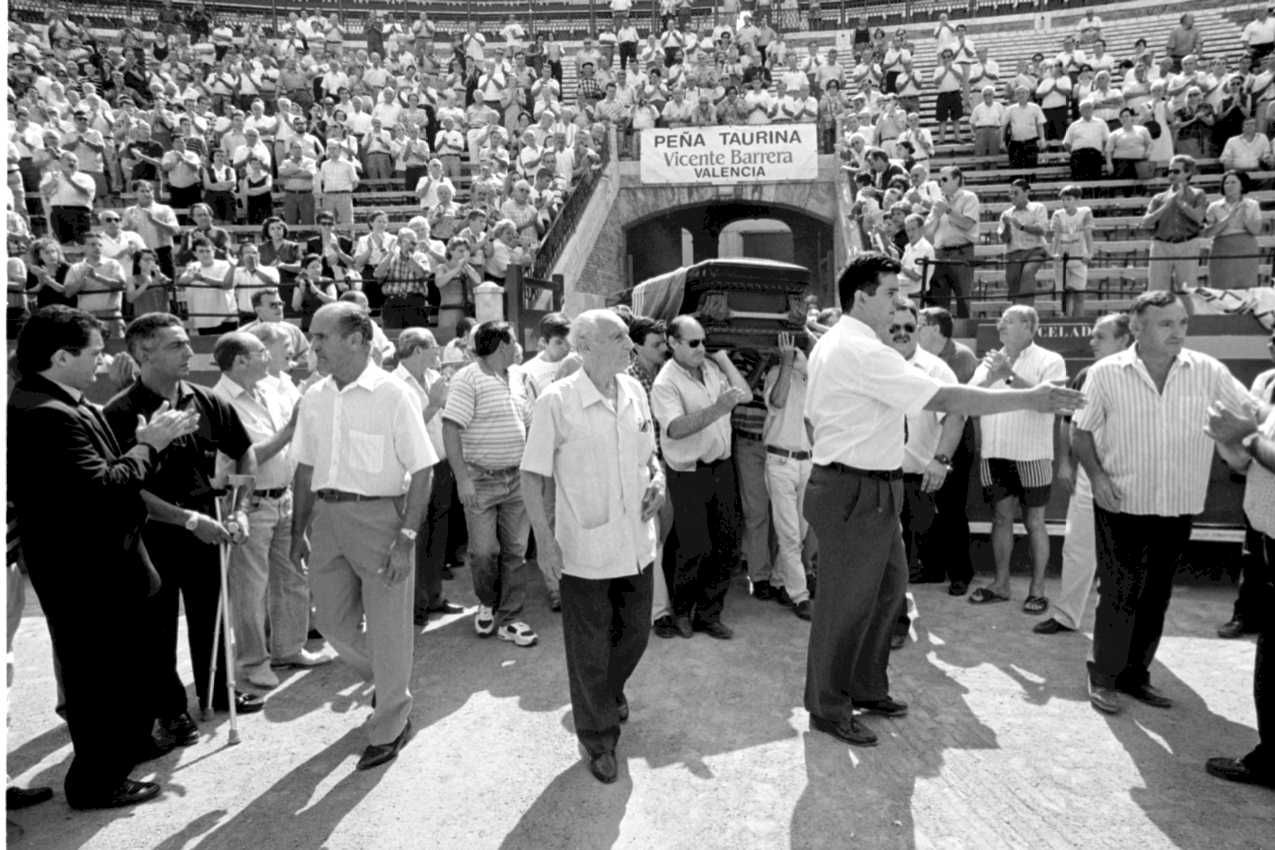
{"points": [[1035, 605], [984, 595]]}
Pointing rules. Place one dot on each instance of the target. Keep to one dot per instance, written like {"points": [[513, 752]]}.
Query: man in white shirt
{"points": [[1248, 151], [691, 399], [592, 446], [361, 450], [209, 285], [335, 184], [1148, 460], [987, 119], [1258, 36], [1086, 143], [858, 395], [1017, 464], [97, 282], [250, 278], [262, 581], [918, 258], [417, 353]]}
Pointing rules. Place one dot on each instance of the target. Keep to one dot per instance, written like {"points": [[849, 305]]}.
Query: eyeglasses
{"points": [[908, 328], [693, 343], [1176, 171], [107, 219]]}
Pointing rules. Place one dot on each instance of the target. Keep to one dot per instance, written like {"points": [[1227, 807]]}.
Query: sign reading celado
{"points": [[772, 153]]}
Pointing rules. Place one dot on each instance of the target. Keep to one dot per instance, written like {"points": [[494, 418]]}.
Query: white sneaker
{"points": [[484, 621], [262, 676], [306, 658], [520, 633]]}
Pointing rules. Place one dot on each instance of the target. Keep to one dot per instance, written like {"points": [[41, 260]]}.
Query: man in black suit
{"points": [[184, 533], [78, 503]]}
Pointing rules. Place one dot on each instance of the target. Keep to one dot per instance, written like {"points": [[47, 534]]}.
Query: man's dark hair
{"points": [[200, 242], [464, 325], [1152, 298], [489, 335], [50, 330], [260, 295], [141, 330], [554, 326], [1021, 183], [229, 348], [863, 274], [940, 318], [643, 326]]}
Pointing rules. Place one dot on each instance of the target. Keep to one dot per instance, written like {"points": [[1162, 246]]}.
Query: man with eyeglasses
{"points": [[1175, 218], [119, 244], [952, 228], [267, 306], [692, 398]]}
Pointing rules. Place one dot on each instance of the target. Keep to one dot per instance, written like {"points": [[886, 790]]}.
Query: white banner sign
{"points": [[769, 153]]}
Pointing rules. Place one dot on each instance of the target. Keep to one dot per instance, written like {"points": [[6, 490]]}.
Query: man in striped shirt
{"points": [[1017, 466], [484, 434], [1142, 442]]}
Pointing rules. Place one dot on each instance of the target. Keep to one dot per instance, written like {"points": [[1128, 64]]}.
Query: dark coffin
{"points": [[742, 303]]}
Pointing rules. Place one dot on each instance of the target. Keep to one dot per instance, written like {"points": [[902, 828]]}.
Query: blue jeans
{"points": [[498, 529]]}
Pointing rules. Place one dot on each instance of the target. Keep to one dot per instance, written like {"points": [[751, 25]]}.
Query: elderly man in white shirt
{"points": [[362, 452], [1148, 459], [1248, 151], [592, 439], [1017, 464], [262, 581], [1086, 143]]}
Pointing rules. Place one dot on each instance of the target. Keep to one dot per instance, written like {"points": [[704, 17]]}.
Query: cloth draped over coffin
{"points": [[1260, 301], [660, 297]]}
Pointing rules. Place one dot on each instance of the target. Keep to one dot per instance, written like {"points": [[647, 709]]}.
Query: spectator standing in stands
{"points": [[404, 274], [1175, 218], [1086, 143], [69, 193], [1185, 40], [1024, 226], [1071, 227], [1017, 450], [97, 283], [296, 178], [952, 228], [1143, 507], [1024, 130], [155, 223], [1233, 222], [1249, 151], [1258, 36], [987, 119], [1054, 95], [951, 85], [209, 285], [1111, 334], [484, 431], [334, 187], [1128, 149], [691, 399]]}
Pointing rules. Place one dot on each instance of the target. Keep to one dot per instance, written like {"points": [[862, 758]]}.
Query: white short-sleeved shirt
{"points": [[1022, 434], [434, 427], [598, 453], [675, 392], [858, 393], [368, 437], [264, 412], [785, 426], [1152, 444], [925, 427]]}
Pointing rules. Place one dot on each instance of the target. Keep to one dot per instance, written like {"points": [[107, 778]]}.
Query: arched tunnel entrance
{"points": [[678, 237]]}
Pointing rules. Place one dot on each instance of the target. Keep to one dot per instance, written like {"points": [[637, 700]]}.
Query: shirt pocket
{"points": [[366, 451], [588, 496]]}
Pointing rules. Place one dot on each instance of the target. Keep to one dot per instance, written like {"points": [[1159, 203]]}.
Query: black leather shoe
{"points": [[664, 628], [150, 749], [244, 703], [802, 609], [781, 596], [850, 730], [378, 754], [1149, 695], [181, 731], [448, 575], [1050, 627], [622, 706], [716, 629], [924, 578], [130, 792], [445, 607], [604, 768], [1234, 770], [899, 640], [683, 626], [763, 590], [1106, 700], [1233, 629], [25, 798], [884, 707], [958, 588]]}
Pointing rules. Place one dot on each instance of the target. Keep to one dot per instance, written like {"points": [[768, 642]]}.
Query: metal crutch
{"points": [[225, 618]]}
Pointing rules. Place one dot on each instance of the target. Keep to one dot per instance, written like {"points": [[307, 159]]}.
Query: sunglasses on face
{"points": [[693, 343], [908, 328]]}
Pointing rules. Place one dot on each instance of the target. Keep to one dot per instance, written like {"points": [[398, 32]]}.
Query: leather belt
{"points": [[775, 450], [343, 496], [878, 474], [744, 435], [275, 493], [1177, 240]]}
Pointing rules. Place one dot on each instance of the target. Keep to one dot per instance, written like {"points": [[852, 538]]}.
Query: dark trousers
{"points": [[1257, 574], [1137, 557], [628, 53], [950, 536], [1262, 758], [404, 311], [707, 539], [190, 569], [916, 520], [1086, 164], [862, 579], [1020, 274], [1025, 154], [431, 542], [106, 728], [953, 276], [605, 627], [69, 224]]}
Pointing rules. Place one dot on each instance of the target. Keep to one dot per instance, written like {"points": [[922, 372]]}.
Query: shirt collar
{"points": [[858, 327], [402, 372], [75, 394], [370, 378]]}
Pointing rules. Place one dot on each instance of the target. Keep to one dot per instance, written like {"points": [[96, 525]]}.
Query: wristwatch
{"points": [[192, 521], [944, 459], [407, 534]]}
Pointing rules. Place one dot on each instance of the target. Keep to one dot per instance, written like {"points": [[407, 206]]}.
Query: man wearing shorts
{"points": [[949, 82], [1017, 465]]}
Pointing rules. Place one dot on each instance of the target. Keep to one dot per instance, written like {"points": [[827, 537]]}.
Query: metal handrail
{"points": [[564, 225]]}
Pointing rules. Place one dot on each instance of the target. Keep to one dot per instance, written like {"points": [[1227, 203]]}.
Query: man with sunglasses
{"points": [[692, 398], [952, 228], [1175, 218], [267, 304]]}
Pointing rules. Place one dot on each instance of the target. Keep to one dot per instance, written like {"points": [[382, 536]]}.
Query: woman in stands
{"points": [[147, 290], [455, 280], [46, 274], [275, 249], [312, 290], [1072, 230], [1129, 149], [255, 192], [1233, 221]]}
